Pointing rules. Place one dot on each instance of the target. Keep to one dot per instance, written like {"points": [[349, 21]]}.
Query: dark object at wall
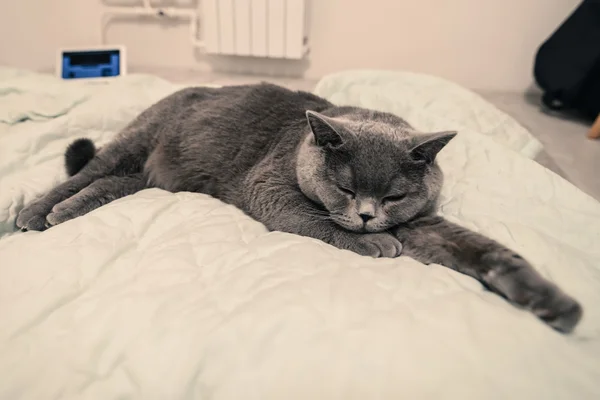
{"points": [[567, 64]]}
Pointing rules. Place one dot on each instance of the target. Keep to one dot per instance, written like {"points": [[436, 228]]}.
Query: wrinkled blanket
{"points": [[179, 296]]}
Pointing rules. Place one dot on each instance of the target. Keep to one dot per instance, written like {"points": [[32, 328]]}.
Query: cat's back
{"points": [[221, 133], [270, 106], [246, 120], [243, 113]]}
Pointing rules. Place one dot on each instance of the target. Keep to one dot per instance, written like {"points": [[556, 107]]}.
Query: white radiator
{"points": [[258, 28]]}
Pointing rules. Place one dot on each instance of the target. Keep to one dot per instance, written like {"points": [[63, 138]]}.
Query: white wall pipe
{"points": [[148, 10]]}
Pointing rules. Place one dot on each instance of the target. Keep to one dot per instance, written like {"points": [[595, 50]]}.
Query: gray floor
{"points": [[567, 151]]}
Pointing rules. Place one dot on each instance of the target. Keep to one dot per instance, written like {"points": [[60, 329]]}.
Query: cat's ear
{"points": [[426, 147], [324, 129]]}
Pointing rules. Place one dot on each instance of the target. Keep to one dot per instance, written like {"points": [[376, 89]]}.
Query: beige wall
{"points": [[483, 44]]}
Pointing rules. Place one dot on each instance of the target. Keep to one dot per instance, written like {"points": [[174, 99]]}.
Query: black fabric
{"points": [[567, 64]]}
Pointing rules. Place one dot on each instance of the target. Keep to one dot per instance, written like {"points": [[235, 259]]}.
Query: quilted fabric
{"points": [[179, 296], [429, 103]]}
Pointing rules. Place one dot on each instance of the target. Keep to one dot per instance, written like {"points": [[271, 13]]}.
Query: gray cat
{"points": [[358, 179]]}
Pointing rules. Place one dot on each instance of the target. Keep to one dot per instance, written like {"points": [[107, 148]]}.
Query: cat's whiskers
{"points": [[316, 212], [323, 218], [319, 215]]}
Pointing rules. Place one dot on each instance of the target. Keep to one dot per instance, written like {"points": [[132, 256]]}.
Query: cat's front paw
{"points": [[514, 278], [32, 217], [558, 310], [377, 245]]}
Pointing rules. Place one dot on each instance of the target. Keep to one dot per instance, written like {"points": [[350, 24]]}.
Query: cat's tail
{"points": [[78, 154]]}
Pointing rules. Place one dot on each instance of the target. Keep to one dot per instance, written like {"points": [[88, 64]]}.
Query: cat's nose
{"points": [[366, 209], [365, 217]]}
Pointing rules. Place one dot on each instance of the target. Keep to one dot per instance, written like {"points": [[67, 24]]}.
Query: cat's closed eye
{"points": [[394, 198], [347, 191]]}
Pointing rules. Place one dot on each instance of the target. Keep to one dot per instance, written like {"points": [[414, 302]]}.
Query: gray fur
{"points": [[358, 179]]}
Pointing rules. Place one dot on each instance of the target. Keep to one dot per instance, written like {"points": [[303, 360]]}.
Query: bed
{"points": [[179, 296]]}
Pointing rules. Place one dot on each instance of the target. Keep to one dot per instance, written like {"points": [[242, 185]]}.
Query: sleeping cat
{"points": [[358, 179]]}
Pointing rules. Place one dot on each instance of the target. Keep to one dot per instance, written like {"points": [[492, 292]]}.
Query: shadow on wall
{"points": [[163, 23], [163, 3], [254, 65]]}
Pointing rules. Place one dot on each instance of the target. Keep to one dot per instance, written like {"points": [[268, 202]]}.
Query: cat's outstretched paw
{"points": [[58, 217], [514, 278], [377, 245], [32, 218], [59, 214], [559, 311]]}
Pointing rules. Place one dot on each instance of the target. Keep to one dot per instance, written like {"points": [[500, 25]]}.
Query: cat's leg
{"points": [[124, 155], [435, 240], [120, 157], [286, 209], [97, 194], [33, 216]]}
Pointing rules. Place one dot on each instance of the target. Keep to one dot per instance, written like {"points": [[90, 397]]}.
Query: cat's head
{"points": [[369, 170]]}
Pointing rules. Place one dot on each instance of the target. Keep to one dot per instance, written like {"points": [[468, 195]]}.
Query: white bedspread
{"points": [[429, 103], [178, 296]]}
